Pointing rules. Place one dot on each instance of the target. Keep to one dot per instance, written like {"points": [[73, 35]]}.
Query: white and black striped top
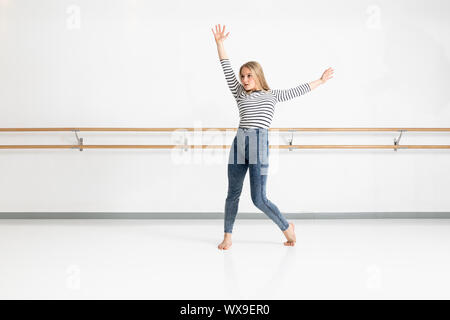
{"points": [[256, 109]]}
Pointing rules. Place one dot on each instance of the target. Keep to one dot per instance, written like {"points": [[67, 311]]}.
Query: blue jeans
{"points": [[250, 150]]}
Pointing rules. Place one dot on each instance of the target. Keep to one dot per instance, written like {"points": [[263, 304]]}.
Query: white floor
{"points": [[179, 259]]}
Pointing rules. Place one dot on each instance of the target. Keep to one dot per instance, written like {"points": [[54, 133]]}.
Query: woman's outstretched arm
{"points": [[282, 95], [230, 76], [288, 94]]}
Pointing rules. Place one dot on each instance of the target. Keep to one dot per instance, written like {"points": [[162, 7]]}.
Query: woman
{"points": [[256, 102]]}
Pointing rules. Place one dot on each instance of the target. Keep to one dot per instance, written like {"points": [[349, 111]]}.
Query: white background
{"points": [[154, 64]]}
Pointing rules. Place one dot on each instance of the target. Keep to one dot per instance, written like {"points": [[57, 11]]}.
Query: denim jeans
{"points": [[250, 150]]}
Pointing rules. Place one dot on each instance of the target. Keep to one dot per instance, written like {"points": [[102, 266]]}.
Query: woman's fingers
{"points": [[219, 29], [220, 32], [327, 74]]}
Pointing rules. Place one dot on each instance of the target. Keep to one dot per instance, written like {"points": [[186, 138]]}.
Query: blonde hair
{"points": [[257, 70]]}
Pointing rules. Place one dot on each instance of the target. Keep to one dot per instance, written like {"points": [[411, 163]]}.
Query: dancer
{"points": [[250, 148]]}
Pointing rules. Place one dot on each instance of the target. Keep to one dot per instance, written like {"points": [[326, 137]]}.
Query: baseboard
{"points": [[220, 215]]}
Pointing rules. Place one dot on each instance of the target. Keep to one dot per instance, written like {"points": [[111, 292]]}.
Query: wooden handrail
{"points": [[81, 146], [207, 146], [220, 129]]}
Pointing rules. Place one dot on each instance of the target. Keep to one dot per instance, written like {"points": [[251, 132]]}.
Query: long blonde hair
{"points": [[257, 70]]}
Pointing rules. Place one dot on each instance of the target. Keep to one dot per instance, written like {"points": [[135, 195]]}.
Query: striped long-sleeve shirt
{"points": [[256, 109]]}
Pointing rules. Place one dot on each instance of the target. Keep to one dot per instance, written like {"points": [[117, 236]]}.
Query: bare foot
{"points": [[226, 243], [289, 233]]}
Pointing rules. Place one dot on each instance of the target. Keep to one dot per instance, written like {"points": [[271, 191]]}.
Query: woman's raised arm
{"points": [[220, 37], [234, 85]]}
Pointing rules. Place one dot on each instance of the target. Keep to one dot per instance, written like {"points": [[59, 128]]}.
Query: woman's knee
{"points": [[258, 200], [234, 194]]}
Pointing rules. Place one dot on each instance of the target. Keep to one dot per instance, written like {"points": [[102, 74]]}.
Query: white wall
{"points": [[104, 63]]}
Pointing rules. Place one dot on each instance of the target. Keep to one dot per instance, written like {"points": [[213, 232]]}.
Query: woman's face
{"points": [[248, 80]]}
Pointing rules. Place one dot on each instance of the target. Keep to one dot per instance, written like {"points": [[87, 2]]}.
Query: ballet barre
{"points": [[80, 143]]}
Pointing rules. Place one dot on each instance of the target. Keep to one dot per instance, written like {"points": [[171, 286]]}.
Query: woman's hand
{"points": [[220, 35], [328, 74]]}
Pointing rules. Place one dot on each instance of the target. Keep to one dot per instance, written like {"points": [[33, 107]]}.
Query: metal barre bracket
{"points": [[79, 140], [291, 140], [185, 142], [397, 140]]}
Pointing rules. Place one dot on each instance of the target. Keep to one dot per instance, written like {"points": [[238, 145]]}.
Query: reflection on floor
{"points": [[179, 259]]}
